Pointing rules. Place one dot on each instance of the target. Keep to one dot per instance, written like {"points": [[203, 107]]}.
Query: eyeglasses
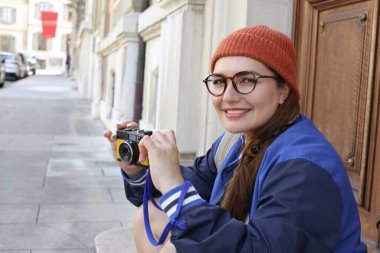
{"points": [[244, 82]]}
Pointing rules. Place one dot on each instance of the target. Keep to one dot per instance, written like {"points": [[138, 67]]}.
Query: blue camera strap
{"points": [[173, 221]]}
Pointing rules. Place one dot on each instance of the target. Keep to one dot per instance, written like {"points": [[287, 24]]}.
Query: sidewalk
{"points": [[59, 186]]}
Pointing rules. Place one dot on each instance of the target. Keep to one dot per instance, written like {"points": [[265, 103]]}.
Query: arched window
{"points": [[7, 15]]}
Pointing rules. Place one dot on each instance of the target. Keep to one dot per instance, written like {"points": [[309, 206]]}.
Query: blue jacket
{"points": [[302, 200]]}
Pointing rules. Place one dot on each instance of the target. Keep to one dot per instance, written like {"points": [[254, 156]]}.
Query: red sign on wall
{"points": [[49, 23]]}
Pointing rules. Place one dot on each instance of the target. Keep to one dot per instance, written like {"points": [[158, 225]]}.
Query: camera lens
{"points": [[129, 152]]}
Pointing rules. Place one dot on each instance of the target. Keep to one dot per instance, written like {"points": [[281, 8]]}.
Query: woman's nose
{"points": [[230, 93]]}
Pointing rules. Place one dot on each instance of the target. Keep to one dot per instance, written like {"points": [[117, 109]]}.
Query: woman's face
{"points": [[240, 113]]}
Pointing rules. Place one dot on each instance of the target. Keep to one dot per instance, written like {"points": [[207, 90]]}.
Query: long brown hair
{"points": [[238, 194]]}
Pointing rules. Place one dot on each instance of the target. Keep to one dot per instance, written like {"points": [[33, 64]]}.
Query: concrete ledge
{"points": [[116, 240]]}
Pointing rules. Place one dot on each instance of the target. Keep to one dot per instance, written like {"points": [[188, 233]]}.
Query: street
{"points": [[59, 186]]}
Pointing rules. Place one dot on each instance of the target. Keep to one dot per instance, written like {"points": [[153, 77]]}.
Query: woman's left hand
{"points": [[163, 156]]}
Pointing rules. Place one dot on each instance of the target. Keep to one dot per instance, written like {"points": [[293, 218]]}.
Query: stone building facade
{"points": [[21, 30]]}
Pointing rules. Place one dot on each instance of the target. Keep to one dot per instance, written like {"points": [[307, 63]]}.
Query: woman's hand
{"points": [[162, 151], [130, 170]]}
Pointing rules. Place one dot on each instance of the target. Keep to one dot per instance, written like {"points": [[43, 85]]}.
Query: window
{"points": [[40, 43], [7, 15], [41, 6], [7, 43]]}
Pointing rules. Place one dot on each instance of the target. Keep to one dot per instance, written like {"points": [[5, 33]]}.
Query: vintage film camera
{"points": [[127, 145]]}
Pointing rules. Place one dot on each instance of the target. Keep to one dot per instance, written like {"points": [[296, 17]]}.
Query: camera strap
{"points": [[173, 221]]}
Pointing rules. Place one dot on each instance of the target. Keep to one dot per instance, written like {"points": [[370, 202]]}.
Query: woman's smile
{"points": [[235, 112]]}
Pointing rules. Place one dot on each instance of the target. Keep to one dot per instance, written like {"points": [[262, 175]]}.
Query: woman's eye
{"points": [[247, 80], [218, 81]]}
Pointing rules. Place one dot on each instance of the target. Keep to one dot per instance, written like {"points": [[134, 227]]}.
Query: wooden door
{"points": [[337, 48]]}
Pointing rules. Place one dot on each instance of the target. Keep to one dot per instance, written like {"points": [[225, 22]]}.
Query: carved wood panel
{"points": [[337, 45]]}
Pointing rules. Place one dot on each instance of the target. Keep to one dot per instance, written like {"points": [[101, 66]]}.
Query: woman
{"points": [[281, 188]]}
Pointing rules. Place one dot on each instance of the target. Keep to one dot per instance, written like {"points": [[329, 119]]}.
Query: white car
{"points": [[14, 67]]}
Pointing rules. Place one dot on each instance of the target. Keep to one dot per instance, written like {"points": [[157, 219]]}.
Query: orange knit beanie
{"points": [[268, 46]]}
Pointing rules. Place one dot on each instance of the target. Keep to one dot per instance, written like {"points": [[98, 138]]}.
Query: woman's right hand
{"points": [[130, 170]]}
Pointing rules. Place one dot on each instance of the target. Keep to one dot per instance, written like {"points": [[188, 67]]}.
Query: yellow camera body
{"points": [[127, 149]]}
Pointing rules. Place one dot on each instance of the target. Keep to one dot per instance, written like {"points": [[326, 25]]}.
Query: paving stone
{"points": [[30, 157], [15, 251], [83, 181], [14, 181], [112, 171], [85, 232], [8, 128], [117, 240], [33, 142], [27, 169], [53, 213], [27, 195], [41, 128], [74, 143], [64, 251], [55, 195], [4, 140], [18, 213], [97, 156], [36, 236], [118, 195], [73, 167]]}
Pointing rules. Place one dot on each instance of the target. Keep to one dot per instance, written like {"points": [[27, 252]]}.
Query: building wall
{"points": [[27, 25], [18, 29], [107, 49], [53, 59]]}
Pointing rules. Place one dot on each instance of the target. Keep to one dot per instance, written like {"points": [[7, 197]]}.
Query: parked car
{"points": [[2, 73], [14, 66], [25, 63], [31, 61]]}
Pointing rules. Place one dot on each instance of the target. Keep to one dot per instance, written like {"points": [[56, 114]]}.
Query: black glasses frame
{"points": [[232, 78]]}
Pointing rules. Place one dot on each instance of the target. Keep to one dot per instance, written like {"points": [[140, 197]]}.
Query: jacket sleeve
{"points": [[299, 210], [201, 174]]}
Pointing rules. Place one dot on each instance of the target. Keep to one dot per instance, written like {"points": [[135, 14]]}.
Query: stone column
{"points": [[121, 47], [125, 95], [178, 91], [97, 82], [179, 80], [221, 18]]}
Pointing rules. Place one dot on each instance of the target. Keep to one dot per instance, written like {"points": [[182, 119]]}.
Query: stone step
{"points": [[116, 240]]}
